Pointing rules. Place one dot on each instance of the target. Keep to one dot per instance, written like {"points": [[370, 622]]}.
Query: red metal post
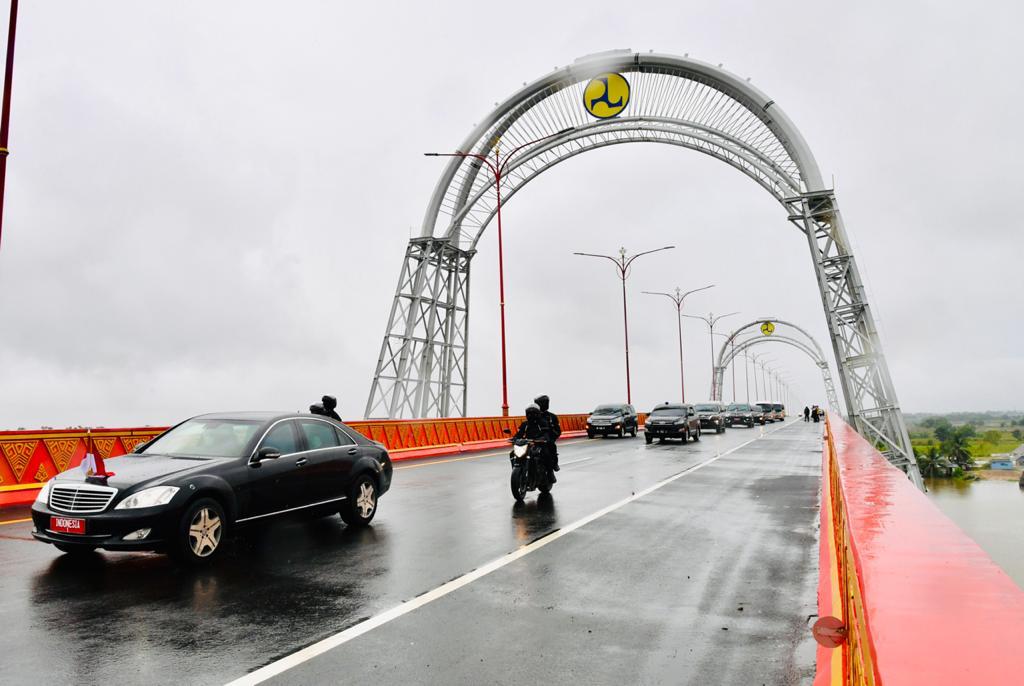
{"points": [[5, 112], [501, 298]]}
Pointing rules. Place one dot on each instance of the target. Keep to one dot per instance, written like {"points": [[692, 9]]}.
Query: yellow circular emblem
{"points": [[767, 328], [606, 95]]}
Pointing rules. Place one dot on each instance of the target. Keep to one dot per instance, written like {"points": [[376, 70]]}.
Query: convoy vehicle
{"points": [[528, 469], [618, 419], [743, 414], [711, 416], [780, 411], [769, 411], [671, 420], [184, 491]]}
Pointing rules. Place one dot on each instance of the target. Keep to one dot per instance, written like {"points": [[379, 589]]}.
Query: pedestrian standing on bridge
{"points": [[544, 402], [807, 414]]}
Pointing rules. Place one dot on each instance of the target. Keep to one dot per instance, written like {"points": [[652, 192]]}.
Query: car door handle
{"points": [[301, 462], [353, 451]]}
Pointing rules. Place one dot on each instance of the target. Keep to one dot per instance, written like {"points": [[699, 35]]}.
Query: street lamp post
{"points": [[622, 264], [498, 169], [679, 298], [711, 320]]}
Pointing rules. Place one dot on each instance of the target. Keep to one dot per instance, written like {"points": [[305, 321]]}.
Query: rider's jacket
{"points": [[552, 421], [534, 430]]}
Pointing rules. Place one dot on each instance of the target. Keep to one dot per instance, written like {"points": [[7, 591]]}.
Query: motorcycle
{"points": [[528, 469]]}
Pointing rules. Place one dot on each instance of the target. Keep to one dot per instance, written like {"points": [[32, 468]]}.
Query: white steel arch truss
{"points": [[421, 370]]}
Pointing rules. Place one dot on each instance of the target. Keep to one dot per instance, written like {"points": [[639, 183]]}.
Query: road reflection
{"points": [[146, 611], [533, 519]]}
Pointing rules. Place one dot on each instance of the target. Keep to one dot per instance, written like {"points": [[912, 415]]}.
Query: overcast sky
{"points": [[208, 203]]}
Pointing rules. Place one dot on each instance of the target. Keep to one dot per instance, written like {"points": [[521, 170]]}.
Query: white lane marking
{"points": [[319, 648], [582, 459]]}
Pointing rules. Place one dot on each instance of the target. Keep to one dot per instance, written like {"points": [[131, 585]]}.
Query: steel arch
{"points": [[813, 353], [421, 370]]}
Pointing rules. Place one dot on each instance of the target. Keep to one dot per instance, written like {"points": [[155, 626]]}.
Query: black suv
{"points": [[616, 419], [712, 416], [672, 421], [743, 414]]}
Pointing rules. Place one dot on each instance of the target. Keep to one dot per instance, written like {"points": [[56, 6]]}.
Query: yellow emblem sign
{"points": [[606, 95], [767, 328]]}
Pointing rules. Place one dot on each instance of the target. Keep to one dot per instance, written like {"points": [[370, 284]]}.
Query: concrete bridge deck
{"points": [[652, 564]]}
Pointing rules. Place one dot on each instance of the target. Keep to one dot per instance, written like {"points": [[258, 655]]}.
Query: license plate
{"points": [[67, 525]]}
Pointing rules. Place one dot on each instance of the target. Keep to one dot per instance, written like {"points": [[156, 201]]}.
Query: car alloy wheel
{"points": [[361, 504], [204, 532], [200, 533]]}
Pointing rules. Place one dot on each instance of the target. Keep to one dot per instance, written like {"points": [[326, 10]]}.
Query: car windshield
{"points": [[778, 408], [707, 408], [739, 408], [608, 409], [767, 407], [669, 411], [206, 438]]}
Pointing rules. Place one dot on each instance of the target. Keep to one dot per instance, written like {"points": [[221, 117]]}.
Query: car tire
{"points": [[77, 550], [686, 436], [361, 504], [590, 434], [720, 430], [200, 535], [622, 432], [648, 439]]}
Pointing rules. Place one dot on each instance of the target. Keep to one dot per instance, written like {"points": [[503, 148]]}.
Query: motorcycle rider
{"points": [[330, 402], [544, 402], [536, 428]]}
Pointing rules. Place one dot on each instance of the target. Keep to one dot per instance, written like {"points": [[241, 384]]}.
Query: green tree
{"points": [[1018, 434], [943, 430], [992, 436], [957, 446]]}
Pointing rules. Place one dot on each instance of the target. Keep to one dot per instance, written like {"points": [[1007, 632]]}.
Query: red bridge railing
{"points": [[921, 602]]}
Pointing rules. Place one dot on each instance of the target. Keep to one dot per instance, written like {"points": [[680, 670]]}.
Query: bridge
{"points": [[795, 553]]}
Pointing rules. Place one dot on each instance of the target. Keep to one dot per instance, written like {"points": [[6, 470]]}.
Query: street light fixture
{"points": [[498, 169], [622, 264], [678, 298], [711, 320]]}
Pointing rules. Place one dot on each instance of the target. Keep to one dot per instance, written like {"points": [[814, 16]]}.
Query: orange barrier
{"points": [[29, 458], [903, 579]]}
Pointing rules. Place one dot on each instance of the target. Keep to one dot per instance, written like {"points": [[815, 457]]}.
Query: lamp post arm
{"points": [[508, 156]]}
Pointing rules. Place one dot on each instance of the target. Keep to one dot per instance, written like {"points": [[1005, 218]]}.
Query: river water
{"points": [[990, 512]]}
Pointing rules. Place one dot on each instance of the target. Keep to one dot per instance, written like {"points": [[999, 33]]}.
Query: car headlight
{"points": [[43, 496], [151, 497]]}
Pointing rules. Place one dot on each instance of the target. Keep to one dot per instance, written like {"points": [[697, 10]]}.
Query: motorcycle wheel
{"points": [[633, 432], [648, 439], [545, 487], [518, 483], [696, 436]]}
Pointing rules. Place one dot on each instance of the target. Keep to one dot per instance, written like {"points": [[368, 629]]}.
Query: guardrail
{"points": [[918, 600], [29, 458]]}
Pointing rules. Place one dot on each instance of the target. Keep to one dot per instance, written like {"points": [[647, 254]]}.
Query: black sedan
{"points": [[184, 490]]}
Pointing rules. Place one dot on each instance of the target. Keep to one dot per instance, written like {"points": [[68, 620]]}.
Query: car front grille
{"points": [[81, 499]]}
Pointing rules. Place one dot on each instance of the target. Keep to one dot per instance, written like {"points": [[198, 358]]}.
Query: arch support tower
{"points": [[422, 367]]}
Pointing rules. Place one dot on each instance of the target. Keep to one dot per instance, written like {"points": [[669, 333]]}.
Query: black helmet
{"points": [[329, 402], [317, 408], [532, 410], [542, 402]]}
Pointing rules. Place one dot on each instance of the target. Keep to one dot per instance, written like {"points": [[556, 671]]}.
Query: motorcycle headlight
{"points": [[520, 450], [43, 496], [151, 497]]}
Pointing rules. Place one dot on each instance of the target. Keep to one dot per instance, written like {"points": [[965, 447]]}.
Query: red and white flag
{"points": [[92, 464]]}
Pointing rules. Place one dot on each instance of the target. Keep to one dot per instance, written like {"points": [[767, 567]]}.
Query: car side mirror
{"points": [[266, 453]]}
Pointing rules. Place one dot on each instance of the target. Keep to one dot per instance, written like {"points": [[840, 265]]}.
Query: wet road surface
{"points": [[707, 578]]}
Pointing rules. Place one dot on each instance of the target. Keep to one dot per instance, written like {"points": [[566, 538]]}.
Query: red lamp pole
{"points": [[622, 264], [678, 298], [5, 111], [498, 169]]}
